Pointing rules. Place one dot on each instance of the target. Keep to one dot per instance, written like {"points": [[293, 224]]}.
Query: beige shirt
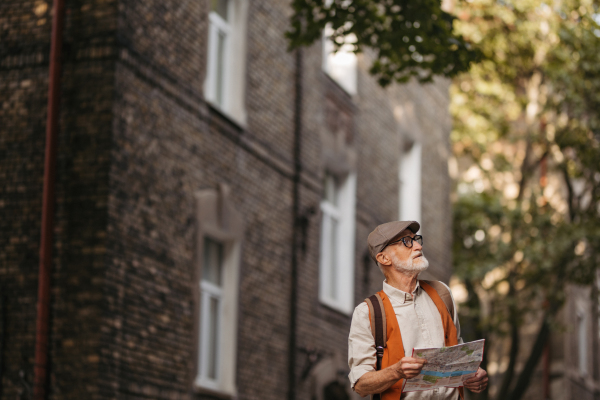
{"points": [[420, 326]]}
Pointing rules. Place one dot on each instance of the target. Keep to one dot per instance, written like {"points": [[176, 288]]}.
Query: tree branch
{"points": [[570, 192], [524, 169], [515, 342], [534, 357], [554, 305]]}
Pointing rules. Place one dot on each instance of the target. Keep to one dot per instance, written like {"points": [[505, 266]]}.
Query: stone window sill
{"points": [[215, 394]]}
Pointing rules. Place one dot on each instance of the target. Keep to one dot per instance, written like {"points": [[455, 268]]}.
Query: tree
{"points": [[409, 38], [527, 140]]}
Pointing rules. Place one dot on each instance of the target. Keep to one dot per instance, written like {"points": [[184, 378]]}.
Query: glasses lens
{"points": [[407, 241], [419, 239]]}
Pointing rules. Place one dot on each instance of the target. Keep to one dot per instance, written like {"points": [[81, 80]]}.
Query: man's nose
{"points": [[416, 245]]}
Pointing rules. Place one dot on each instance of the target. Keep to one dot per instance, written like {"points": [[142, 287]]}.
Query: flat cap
{"points": [[386, 233]]}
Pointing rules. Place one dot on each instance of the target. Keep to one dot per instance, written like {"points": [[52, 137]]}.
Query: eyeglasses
{"points": [[408, 241]]}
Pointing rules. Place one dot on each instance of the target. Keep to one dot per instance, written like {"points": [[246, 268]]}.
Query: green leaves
{"points": [[526, 139], [408, 38]]}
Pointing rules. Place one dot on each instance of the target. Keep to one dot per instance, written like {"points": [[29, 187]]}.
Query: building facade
{"points": [[576, 362], [214, 192]]}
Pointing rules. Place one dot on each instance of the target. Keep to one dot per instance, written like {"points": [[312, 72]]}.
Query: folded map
{"points": [[446, 366]]}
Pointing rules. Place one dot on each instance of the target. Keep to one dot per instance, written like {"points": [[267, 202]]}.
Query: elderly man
{"points": [[398, 252]]}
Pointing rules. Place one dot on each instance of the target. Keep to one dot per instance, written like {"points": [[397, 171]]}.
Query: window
{"points": [[220, 231], [211, 292], [224, 86], [219, 38], [340, 65], [336, 284], [409, 174]]}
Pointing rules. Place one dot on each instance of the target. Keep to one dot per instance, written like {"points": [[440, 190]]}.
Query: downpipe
{"points": [[40, 379]]}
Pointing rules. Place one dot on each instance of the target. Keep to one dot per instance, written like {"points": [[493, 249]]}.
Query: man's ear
{"points": [[383, 259]]}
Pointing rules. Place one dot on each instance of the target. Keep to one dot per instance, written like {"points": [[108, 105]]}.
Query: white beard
{"points": [[411, 265]]}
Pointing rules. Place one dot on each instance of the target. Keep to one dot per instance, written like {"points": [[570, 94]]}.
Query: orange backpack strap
{"points": [[444, 293], [446, 313]]}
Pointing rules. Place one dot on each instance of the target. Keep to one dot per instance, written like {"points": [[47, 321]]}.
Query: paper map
{"points": [[446, 366]]}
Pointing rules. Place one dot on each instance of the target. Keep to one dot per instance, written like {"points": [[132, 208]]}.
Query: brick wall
{"points": [[81, 189], [137, 141]]}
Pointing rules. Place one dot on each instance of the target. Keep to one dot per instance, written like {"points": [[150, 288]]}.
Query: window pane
{"points": [[331, 190], [212, 341], [340, 65], [409, 174], [220, 67], [333, 277], [220, 7], [212, 268]]}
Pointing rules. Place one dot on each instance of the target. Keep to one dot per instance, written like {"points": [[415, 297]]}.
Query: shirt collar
{"points": [[398, 294]]}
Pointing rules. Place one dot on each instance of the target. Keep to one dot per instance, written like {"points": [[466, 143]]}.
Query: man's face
{"points": [[406, 259]]}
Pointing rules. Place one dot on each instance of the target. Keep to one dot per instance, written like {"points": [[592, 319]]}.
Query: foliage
{"points": [[527, 141], [409, 38]]}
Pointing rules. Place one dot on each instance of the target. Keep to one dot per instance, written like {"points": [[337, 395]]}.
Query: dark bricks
{"points": [[136, 142]]}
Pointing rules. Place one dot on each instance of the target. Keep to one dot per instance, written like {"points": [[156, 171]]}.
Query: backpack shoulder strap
{"points": [[378, 325], [378, 329], [444, 293]]}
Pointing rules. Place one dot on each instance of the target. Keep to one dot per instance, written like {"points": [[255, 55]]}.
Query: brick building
{"points": [[214, 195]]}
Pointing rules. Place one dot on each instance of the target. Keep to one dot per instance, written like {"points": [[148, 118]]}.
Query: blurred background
{"points": [[187, 189]]}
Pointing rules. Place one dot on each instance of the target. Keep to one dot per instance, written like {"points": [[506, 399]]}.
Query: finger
{"points": [[476, 388], [476, 381], [413, 372], [412, 366], [415, 360], [474, 378]]}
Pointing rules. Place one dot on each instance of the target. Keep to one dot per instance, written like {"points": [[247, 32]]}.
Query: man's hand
{"points": [[409, 367], [380, 381], [478, 383]]}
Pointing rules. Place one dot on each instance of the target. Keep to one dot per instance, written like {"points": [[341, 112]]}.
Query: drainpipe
{"points": [[53, 111], [296, 233], [2, 334]]}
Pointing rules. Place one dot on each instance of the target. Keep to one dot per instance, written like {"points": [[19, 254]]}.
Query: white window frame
{"points": [[209, 290], [409, 178], [343, 258], [217, 25], [234, 60], [342, 65], [219, 221]]}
